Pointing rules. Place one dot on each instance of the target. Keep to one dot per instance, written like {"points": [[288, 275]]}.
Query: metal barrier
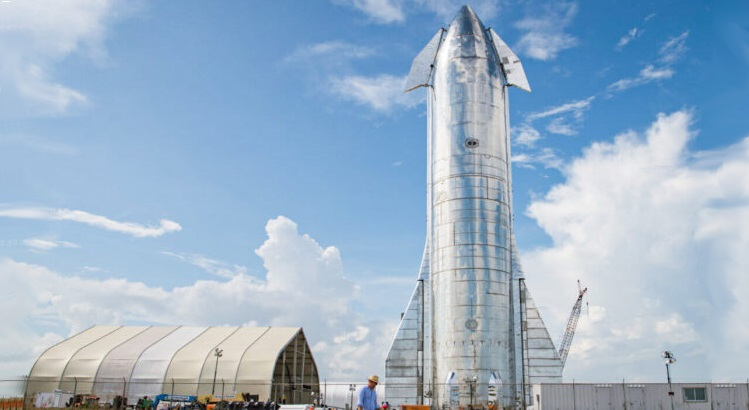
{"points": [[22, 393]]}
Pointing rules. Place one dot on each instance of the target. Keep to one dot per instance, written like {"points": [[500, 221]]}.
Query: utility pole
{"points": [[218, 353], [670, 359], [352, 389]]}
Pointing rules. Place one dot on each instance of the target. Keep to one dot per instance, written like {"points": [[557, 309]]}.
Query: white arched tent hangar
{"points": [[136, 361]]}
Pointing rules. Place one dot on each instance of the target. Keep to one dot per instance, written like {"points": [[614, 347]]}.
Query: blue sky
{"points": [[177, 162]]}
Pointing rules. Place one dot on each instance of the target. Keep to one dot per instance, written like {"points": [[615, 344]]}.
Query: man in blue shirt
{"points": [[368, 395]]}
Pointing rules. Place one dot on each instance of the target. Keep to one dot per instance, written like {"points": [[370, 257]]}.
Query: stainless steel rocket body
{"points": [[467, 336], [470, 224]]}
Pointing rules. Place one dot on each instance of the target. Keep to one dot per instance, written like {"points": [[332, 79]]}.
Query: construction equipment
{"points": [[569, 332]]}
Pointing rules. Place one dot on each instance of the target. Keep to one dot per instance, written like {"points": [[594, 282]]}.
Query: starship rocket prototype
{"points": [[471, 334]]}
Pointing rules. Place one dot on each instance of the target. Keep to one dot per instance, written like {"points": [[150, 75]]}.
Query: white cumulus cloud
{"points": [[659, 235], [304, 285]]}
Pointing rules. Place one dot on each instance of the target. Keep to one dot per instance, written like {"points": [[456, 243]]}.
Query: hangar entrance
{"points": [[295, 377]]}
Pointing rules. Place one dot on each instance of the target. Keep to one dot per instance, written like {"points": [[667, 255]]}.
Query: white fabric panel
{"points": [[148, 374], [259, 361], [45, 375], [186, 366], [118, 365], [146, 361], [234, 349], [81, 370]]}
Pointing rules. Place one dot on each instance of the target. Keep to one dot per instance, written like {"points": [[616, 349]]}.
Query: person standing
{"points": [[368, 395]]}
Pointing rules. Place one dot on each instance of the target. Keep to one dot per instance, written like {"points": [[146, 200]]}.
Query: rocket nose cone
{"points": [[466, 10], [466, 22]]}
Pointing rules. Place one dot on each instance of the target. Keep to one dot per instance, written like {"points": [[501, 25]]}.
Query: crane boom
{"points": [[569, 332]]}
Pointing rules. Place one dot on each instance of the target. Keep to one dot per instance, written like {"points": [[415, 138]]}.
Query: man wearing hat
{"points": [[368, 395]]}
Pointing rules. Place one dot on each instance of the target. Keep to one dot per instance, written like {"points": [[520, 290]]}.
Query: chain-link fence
{"points": [[22, 393], [118, 393], [12, 387]]}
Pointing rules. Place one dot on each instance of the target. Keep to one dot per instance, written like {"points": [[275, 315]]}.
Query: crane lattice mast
{"points": [[569, 332]]}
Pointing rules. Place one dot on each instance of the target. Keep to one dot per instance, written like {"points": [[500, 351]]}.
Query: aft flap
{"points": [[511, 64], [407, 365], [421, 69], [542, 357], [544, 364]]}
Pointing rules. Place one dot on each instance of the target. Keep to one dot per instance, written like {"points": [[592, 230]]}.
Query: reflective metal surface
{"points": [[511, 65], [470, 256], [421, 69], [461, 332]]}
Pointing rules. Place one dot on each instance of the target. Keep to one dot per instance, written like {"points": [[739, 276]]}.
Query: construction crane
{"points": [[569, 332]]}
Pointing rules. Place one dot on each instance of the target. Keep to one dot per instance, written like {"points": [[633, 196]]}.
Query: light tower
{"points": [[670, 359], [218, 353]]}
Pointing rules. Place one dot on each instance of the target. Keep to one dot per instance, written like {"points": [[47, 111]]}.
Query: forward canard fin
{"points": [[423, 64], [511, 65]]}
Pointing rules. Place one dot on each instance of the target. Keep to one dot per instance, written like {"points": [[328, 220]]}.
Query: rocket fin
{"points": [[511, 64], [423, 64], [406, 361], [544, 364], [540, 354]]}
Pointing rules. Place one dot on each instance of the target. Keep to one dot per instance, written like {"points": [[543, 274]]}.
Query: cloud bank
{"points": [[659, 235], [304, 286]]}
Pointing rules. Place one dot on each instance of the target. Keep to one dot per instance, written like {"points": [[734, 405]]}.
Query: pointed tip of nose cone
{"points": [[466, 10], [466, 21]]}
